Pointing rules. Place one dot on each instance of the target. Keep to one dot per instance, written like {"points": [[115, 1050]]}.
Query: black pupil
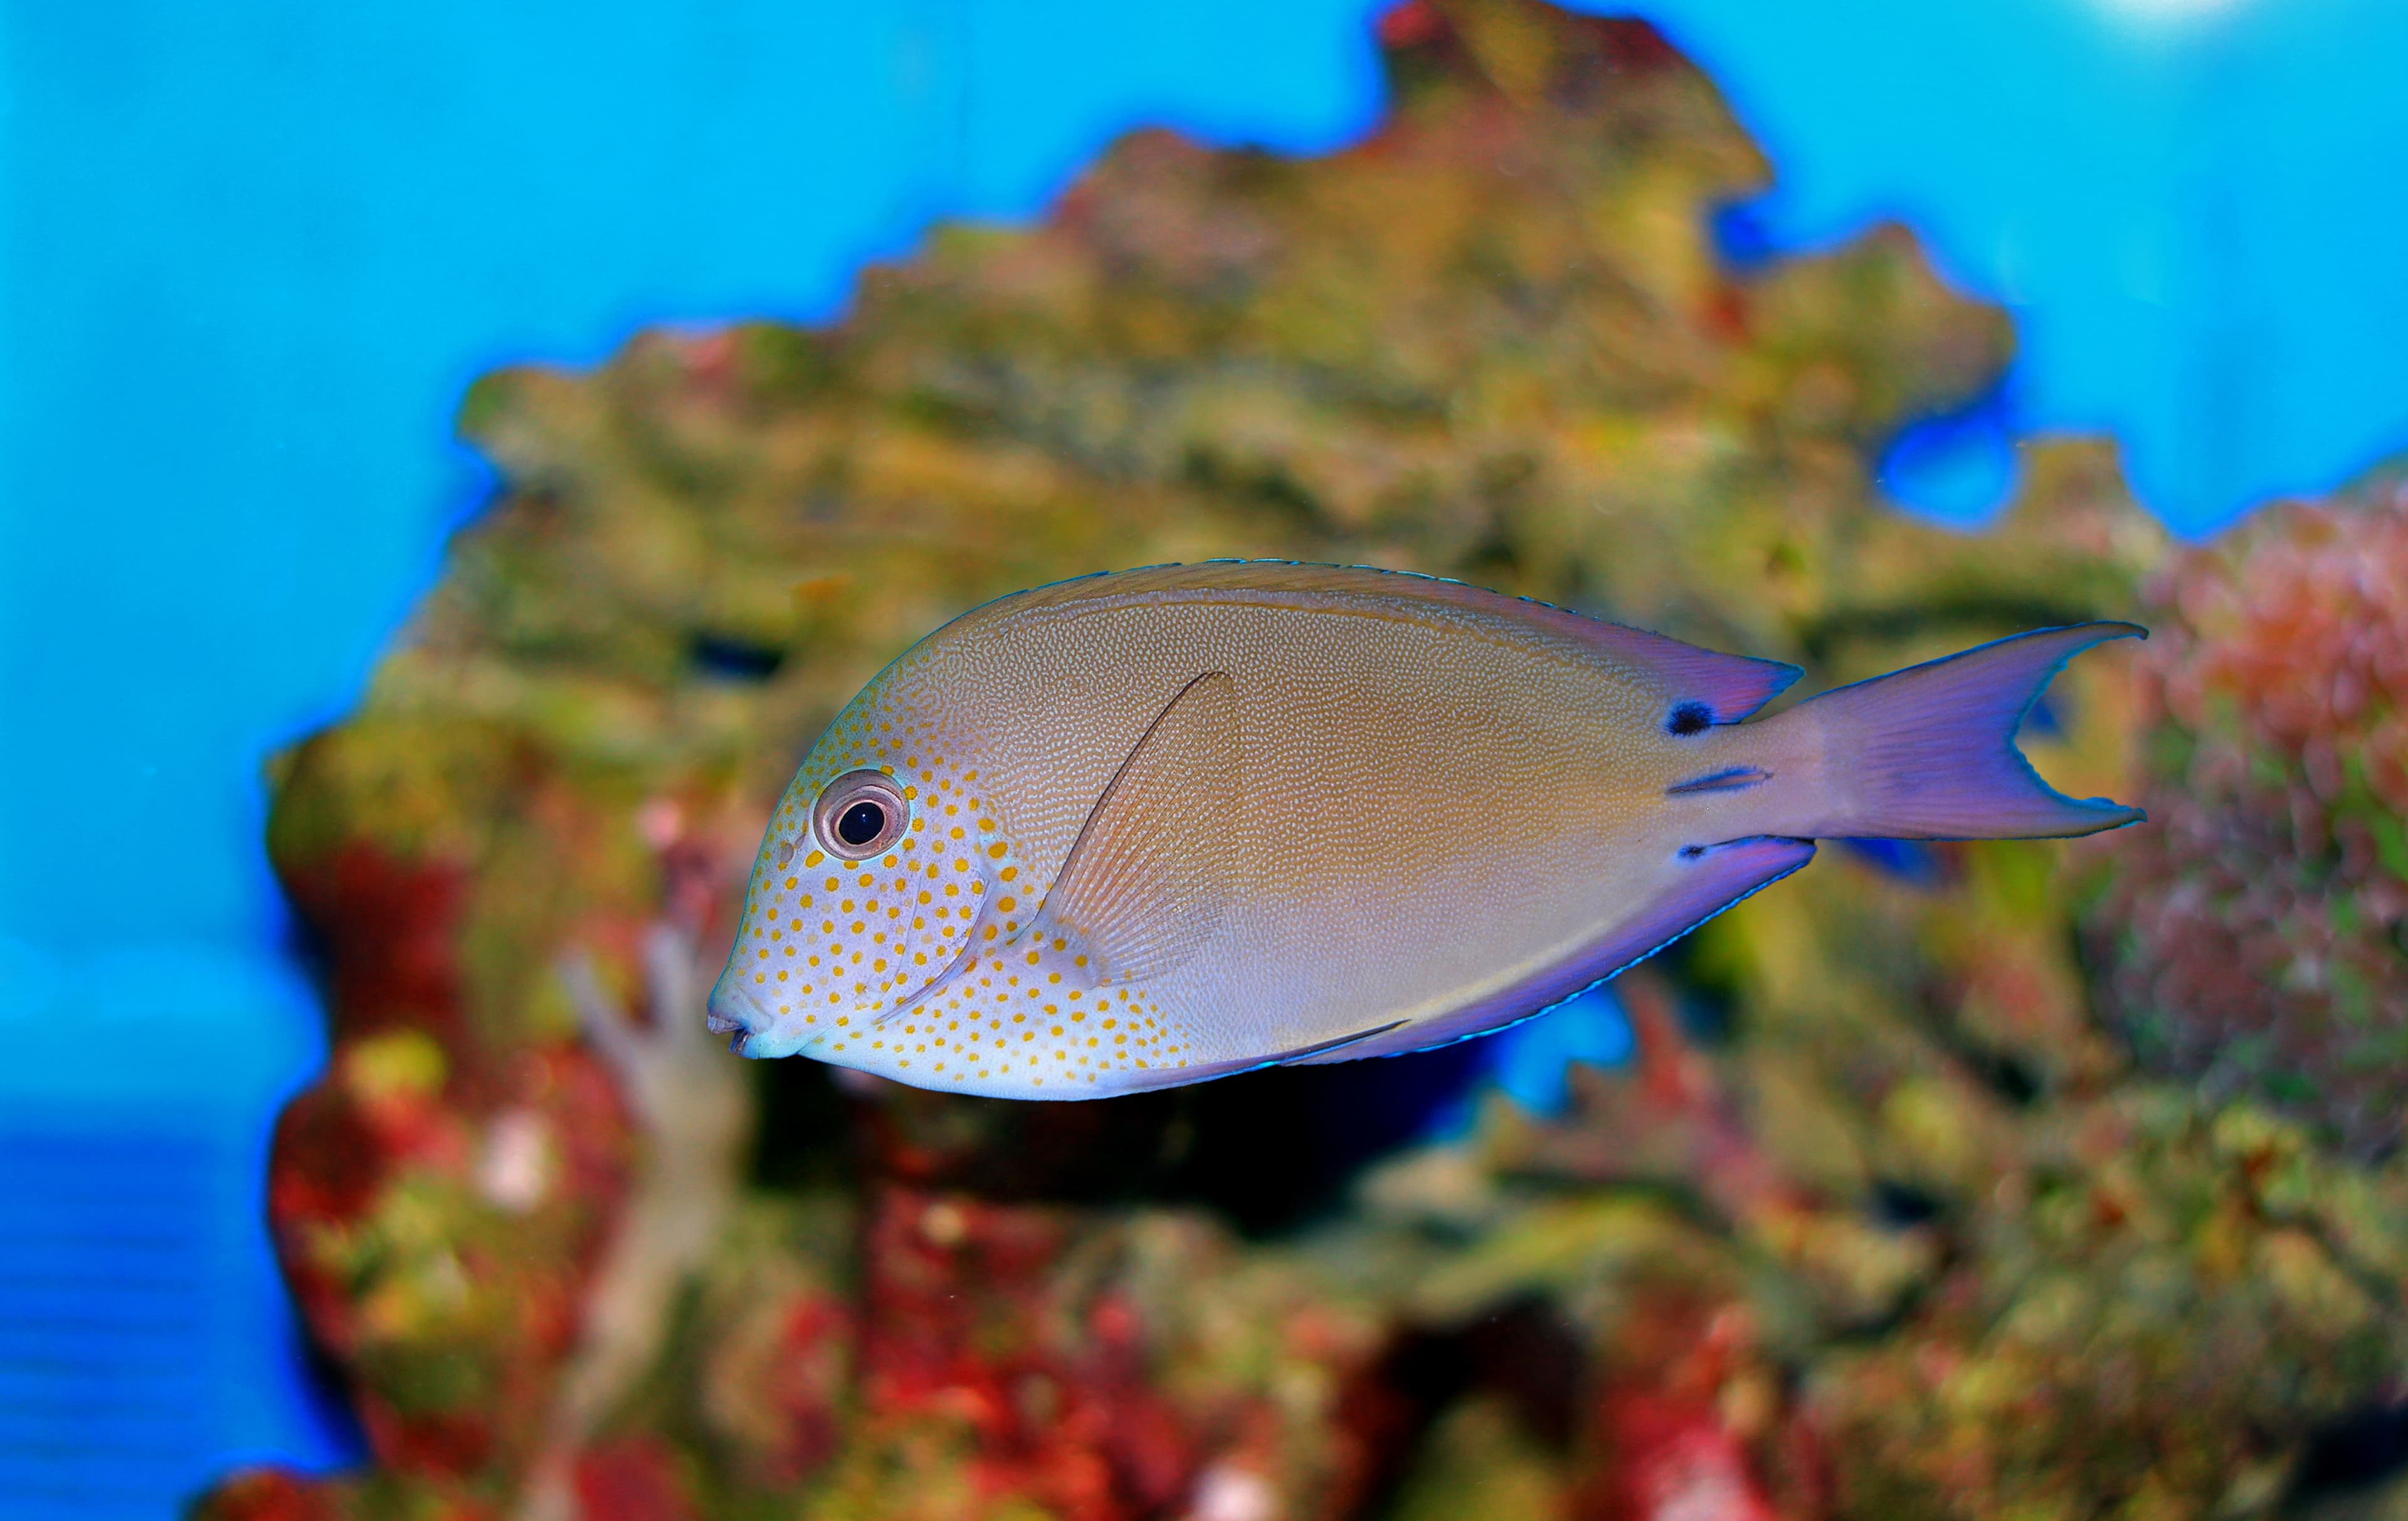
{"points": [[861, 823]]}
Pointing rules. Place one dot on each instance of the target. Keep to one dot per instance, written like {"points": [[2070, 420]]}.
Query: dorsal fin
{"points": [[1149, 877], [1730, 686]]}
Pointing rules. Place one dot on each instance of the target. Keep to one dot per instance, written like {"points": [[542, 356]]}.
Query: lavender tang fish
{"points": [[1156, 826]]}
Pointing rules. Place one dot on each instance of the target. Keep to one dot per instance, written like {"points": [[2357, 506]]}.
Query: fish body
{"points": [[1153, 826]]}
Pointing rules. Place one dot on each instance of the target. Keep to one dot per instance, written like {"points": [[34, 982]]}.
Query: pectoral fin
{"points": [[1147, 880]]}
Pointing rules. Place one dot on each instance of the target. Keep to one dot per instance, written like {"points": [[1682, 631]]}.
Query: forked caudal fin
{"points": [[1928, 752]]}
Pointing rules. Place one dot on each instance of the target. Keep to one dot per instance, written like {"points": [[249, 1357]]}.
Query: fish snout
{"points": [[731, 1012]]}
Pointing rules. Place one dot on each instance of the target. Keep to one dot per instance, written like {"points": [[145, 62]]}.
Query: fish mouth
{"points": [[731, 1013]]}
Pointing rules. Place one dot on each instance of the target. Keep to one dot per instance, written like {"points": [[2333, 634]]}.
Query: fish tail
{"points": [[1928, 752]]}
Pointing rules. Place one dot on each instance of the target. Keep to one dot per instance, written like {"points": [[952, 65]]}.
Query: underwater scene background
{"points": [[1992, 1180]]}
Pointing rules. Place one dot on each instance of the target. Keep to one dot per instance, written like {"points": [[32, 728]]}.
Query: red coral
{"points": [[270, 1495], [1688, 1423], [339, 1150], [631, 1479], [1635, 46], [438, 1444], [329, 1161], [808, 1374], [390, 928], [1409, 26], [2253, 933], [959, 1298]]}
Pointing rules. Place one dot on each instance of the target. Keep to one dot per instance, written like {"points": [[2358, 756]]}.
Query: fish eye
{"points": [[861, 813], [861, 823]]}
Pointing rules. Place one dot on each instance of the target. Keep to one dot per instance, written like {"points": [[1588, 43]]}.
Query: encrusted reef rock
{"points": [[1887, 1220], [2258, 936]]}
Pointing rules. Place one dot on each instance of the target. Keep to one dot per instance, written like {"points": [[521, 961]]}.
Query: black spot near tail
{"points": [[1688, 718]]}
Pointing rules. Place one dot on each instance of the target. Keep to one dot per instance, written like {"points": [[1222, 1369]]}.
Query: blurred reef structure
{"points": [[2263, 926], [1913, 1202]]}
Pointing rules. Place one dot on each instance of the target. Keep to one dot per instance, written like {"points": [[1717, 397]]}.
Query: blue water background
{"points": [[251, 253]]}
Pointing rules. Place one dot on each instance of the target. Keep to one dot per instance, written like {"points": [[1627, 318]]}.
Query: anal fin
{"points": [[1710, 880]]}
